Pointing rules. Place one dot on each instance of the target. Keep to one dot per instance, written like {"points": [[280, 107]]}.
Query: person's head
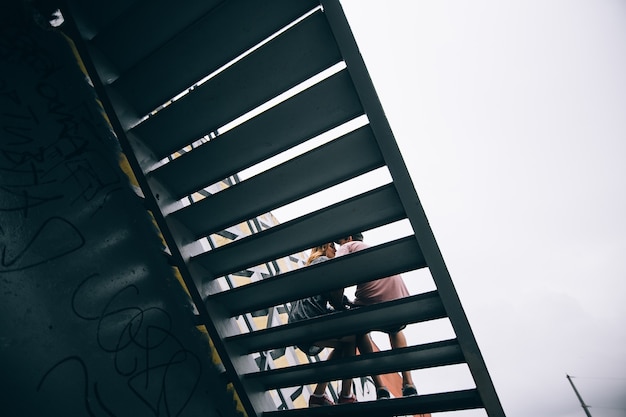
{"points": [[327, 249], [354, 236]]}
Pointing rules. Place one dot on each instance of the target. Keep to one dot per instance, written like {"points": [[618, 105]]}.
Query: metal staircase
{"points": [[172, 75]]}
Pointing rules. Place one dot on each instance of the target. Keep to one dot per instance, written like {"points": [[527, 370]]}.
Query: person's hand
{"points": [[347, 302]]}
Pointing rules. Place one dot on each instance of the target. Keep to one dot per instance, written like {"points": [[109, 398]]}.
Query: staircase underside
{"points": [[202, 91]]}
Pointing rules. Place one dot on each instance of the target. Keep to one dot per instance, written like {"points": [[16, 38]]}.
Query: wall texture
{"points": [[92, 318]]}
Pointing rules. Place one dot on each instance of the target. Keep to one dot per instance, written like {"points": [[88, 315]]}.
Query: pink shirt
{"points": [[383, 289]]}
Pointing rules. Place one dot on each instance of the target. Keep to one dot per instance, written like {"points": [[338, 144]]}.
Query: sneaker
{"points": [[382, 393], [315, 401], [409, 391], [347, 400]]}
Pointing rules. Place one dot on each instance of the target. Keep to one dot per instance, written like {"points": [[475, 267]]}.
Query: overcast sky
{"points": [[511, 117]]}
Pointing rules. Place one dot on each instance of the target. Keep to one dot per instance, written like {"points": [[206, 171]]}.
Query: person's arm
{"points": [[335, 298]]}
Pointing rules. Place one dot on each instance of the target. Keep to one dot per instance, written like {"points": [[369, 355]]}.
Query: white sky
{"points": [[511, 117]]}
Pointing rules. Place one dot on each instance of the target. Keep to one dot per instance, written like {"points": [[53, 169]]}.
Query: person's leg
{"points": [[347, 350], [398, 340], [346, 396], [320, 388], [365, 345], [319, 398]]}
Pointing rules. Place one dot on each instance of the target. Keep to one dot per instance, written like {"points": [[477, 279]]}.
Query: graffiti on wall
{"points": [[92, 320]]}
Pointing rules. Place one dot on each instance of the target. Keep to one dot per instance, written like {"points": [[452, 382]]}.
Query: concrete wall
{"points": [[92, 318]]}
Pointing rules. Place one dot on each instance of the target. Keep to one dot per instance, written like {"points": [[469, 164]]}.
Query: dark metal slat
{"points": [[419, 404], [288, 182], [363, 212], [91, 17], [395, 257], [204, 47], [144, 27], [442, 353], [414, 309], [245, 85], [325, 105]]}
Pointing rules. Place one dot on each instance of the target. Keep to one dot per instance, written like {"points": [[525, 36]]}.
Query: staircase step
{"points": [[288, 182], [318, 109], [212, 41], [413, 309], [143, 27], [363, 212], [430, 355], [93, 17], [247, 84], [394, 257], [420, 404]]}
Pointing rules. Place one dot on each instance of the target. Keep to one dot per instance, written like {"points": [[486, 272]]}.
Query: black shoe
{"points": [[382, 394], [409, 391]]}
